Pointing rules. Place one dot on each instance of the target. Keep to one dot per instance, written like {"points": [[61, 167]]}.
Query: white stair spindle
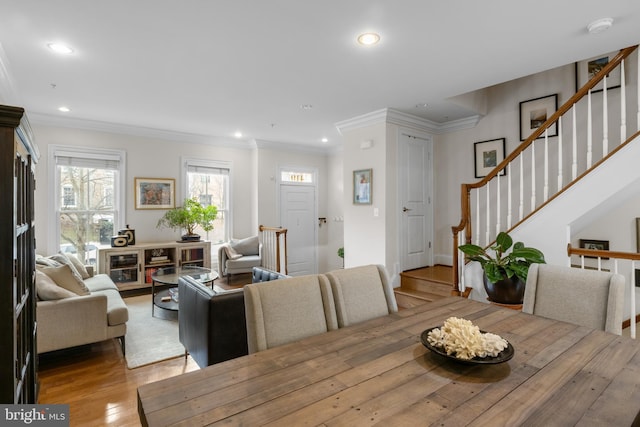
{"points": [[559, 153], [605, 118], [638, 94], [488, 231], [509, 208], [521, 205], [623, 104], [574, 161], [477, 217], [632, 300], [589, 131], [533, 176], [545, 191], [498, 212]]}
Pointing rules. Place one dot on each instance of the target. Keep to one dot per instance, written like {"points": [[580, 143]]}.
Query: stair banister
{"points": [[465, 201]]}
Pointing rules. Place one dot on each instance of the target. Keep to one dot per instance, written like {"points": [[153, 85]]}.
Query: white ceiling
{"points": [[214, 67]]}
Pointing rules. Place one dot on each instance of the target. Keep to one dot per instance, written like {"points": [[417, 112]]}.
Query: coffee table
{"points": [[168, 298]]}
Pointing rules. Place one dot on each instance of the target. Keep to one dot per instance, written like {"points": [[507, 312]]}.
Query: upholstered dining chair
{"points": [[282, 311], [361, 293], [584, 297]]}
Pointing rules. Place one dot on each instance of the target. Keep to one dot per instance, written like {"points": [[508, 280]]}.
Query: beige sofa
{"points": [[66, 319]]}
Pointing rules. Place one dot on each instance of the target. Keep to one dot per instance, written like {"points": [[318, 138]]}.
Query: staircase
{"points": [[423, 285], [555, 177]]}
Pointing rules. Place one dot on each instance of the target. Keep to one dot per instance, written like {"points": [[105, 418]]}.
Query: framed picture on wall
{"points": [[587, 69], [155, 193], [534, 112], [599, 245], [362, 186], [488, 155]]}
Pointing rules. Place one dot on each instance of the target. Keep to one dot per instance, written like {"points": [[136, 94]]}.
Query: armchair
{"points": [[239, 256]]}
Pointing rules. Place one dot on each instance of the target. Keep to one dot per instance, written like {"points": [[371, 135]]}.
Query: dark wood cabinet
{"points": [[18, 352]]}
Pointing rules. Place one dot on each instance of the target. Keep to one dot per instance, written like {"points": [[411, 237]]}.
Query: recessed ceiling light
{"points": [[325, 140], [64, 109], [238, 134], [422, 105], [306, 106], [60, 48], [368, 39], [599, 25]]}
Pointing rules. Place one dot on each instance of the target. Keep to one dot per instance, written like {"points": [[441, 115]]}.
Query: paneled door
{"points": [[298, 216], [415, 182]]}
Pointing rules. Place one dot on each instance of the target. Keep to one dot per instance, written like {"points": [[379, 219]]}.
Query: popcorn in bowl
{"points": [[463, 339]]}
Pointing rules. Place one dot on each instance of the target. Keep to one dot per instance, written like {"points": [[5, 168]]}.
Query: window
{"points": [[88, 199], [208, 182]]}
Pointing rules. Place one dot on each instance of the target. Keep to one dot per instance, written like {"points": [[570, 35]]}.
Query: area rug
{"points": [[150, 339]]}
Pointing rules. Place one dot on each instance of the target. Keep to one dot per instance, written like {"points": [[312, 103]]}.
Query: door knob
{"points": [[405, 209]]}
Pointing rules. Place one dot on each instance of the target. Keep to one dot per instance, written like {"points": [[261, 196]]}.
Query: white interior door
{"points": [[298, 216], [415, 181]]}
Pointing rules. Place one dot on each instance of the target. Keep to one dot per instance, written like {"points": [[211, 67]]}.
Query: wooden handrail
{"points": [[465, 188], [596, 253]]}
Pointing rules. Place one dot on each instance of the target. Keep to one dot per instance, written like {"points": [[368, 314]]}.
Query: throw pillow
{"points": [[231, 253], [64, 277], [40, 260], [78, 265], [47, 289], [63, 260], [248, 246]]}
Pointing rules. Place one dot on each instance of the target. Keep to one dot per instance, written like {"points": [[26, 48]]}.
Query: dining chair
{"points": [[584, 297], [286, 310], [361, 293]]}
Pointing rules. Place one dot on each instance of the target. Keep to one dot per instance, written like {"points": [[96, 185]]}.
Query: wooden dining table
{"points": [[379, 372]]}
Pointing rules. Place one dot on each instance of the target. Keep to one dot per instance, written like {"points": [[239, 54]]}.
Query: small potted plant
{"points": [[505, 274], [187, 217]]}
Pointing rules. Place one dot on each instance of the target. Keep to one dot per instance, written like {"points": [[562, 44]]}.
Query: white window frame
{"points": [[54, 198], [207, 163]]}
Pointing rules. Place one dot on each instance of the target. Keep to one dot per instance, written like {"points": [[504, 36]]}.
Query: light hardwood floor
{"points": [[96, 383]]}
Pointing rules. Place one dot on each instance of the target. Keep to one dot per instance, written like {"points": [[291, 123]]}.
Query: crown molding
{"points": [[389, 115], [145, 132]]}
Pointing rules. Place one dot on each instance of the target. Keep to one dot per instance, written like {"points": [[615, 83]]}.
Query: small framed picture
{"points": [[362, 186], [534, 112], [599, 245], [585, 70], [488, 155], [155, 193]]}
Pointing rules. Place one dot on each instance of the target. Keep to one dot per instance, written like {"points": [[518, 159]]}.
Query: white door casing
{"points": [[415, 195], [298, 216]]}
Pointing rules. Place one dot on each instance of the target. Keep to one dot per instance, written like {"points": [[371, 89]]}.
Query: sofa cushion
{"points": [[248, 246], [117, 312], [100, 282], [47, 262], [62, 259], [64, 277], [47, 289], [231, 253], [246, 262], [79, 266]]}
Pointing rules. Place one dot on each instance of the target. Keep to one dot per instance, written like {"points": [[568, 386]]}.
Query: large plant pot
{"points": [[190, 237], [506, 291]]}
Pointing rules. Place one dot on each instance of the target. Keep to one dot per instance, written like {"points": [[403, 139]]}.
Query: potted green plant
{"points": [[187, 217], [505, 274]]}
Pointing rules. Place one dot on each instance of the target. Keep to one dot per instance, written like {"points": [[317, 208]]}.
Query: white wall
{"points": [[365, 235]]}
